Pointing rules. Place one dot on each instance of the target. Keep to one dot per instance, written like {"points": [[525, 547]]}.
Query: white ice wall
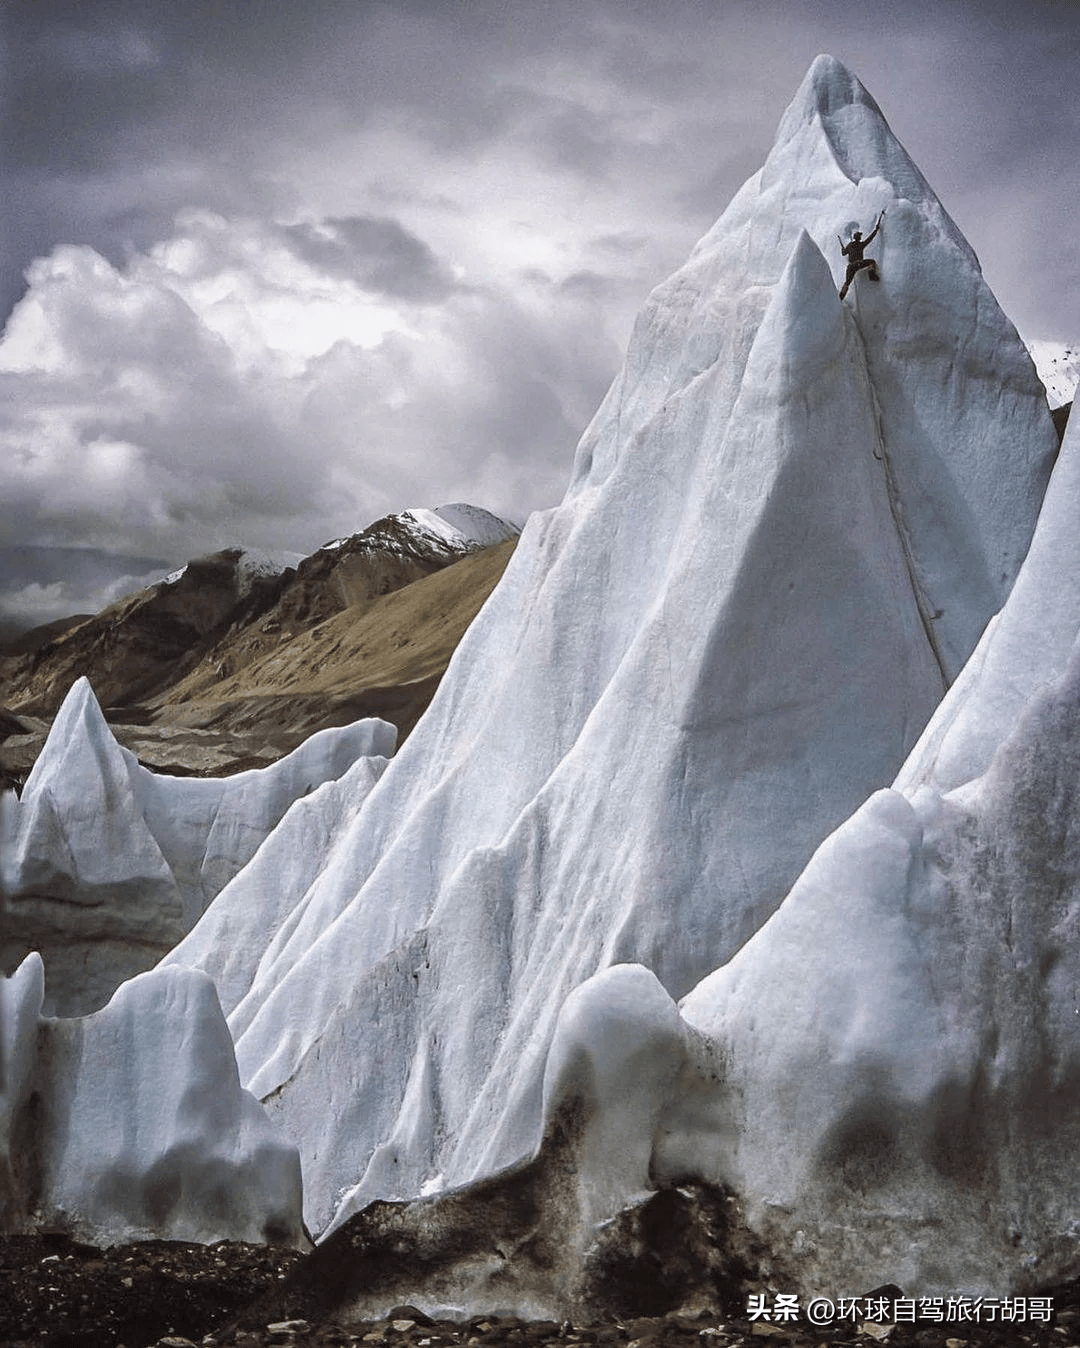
{"points": [[130, 1123], [778, 548], [900, 1044]]}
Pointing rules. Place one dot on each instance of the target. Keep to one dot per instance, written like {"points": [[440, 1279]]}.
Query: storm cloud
{"points": [[265, 281], [379, 254]]}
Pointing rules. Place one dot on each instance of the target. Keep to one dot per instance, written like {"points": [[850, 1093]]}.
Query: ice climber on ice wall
{"points": [[854, 250], [787, 527]]}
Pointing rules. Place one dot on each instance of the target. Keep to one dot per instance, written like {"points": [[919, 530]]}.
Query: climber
{"points": [[853, 251]]}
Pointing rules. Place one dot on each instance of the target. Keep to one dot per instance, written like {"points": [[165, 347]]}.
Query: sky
{"points": [[269, 271]]}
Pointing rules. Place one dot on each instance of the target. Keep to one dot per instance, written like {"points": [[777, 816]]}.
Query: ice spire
{"points": [[692, 670], [788, 519], [855, 129]]}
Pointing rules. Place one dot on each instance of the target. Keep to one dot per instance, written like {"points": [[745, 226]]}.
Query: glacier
{"points": [[105, 865], [781, 540], [131, 1124], [572, 926], [1058, 364]]}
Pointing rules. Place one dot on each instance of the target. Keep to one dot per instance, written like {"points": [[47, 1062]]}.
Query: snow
{"points": [[787, 528], [252, 565], [443, 532], [255, 564], [1058, 364], [476, 526], [446, 532], [124, 861]]}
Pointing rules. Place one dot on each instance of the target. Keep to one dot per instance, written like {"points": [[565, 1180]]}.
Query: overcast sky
{"points": [[272, 269]]}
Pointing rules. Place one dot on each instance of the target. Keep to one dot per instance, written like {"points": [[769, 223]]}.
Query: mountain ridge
{"points": [[189, 639]]}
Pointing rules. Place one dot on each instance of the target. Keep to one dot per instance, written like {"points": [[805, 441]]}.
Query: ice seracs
{"points": [[130, 1123], [940, 353], [788, 525], [1058, 364], [105, 865], [237, 937], [901, 1042]]}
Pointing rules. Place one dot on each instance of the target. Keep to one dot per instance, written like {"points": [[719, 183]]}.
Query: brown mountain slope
{"points": [[140, 643], [383, 659], [260, 689], [224, 611], [26, 642]]}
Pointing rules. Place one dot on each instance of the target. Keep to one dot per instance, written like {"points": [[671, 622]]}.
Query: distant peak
{"points": [[458, 527]]}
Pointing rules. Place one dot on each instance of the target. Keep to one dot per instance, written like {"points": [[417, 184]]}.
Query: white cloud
{"points": [[234, 384], [421, 236], [30, 605], [36, 603]]}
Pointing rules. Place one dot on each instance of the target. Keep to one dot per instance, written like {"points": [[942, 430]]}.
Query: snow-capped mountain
{"points": [[252, 564], [147, 639], [1058, 364], [788, 527], [443, 532]]}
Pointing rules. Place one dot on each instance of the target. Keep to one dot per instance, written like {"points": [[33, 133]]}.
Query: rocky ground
{"points": [[55, 1293]]}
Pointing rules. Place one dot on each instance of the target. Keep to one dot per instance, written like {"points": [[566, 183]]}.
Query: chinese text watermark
{"points": [[785, 1308]]}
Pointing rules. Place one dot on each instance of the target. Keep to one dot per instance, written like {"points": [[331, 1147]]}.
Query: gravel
{"points": [[55, 1293]]}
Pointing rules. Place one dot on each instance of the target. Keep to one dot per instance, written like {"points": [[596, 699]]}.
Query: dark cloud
{"points": [[576, 138], [118, 115], [193, 398], [22, 564], [376, 252], [624, 242], [593, 285], [72, 86], [357, 255], [39, 584]]}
